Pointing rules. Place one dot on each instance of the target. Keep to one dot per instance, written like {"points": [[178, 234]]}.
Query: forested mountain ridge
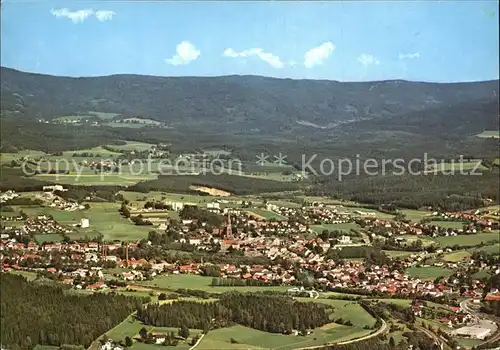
{"points": [[252, 101]]}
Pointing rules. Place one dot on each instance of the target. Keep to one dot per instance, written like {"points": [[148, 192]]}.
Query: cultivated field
{"points": [[428, 273], [178, 197], [455, 225], [468, 240], [489, 134], [104, 218], [174, 282], [51, 237], [426, 241], [265, 214], [249, 338], [491, 249], [397, 253], [347, 310], [346, 227], [457, 166], [90, 179], [415, 215], [456, 256], [132, 146]]}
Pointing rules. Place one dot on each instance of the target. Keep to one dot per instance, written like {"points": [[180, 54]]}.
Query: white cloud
{"points": [[404, 56], [267, 57], [185, 53], [104, 15], [81, 15], [75, 16], [367, 60], [317, 55]]}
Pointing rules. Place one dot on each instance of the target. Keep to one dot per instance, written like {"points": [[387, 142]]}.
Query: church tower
{"points": [[229, 229]]}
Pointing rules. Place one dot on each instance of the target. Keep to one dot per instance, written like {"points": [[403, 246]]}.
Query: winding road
{"points": [[368, 336]]}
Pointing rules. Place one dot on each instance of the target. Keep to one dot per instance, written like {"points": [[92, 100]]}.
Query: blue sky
{"points": [[347, 41]]}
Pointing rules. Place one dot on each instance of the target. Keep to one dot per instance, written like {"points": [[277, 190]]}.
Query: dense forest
{"points": [[275, 314], [448, 192], [240, 102], [231, 183], [48, 315]]}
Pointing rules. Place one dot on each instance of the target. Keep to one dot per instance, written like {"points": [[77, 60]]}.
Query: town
{"points": [[315, 250]]}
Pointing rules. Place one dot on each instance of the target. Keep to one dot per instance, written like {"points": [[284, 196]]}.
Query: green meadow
{"points": [[489, 134], [345, 227], [428, 273], [265, 214], [468, 240], [174, 282]]}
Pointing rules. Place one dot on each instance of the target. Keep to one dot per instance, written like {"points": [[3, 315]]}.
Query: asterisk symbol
{"points": [[280, 159], [262, 159]]}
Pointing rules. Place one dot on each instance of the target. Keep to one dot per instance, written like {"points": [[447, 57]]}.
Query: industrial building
{"points": [[472, 332]]}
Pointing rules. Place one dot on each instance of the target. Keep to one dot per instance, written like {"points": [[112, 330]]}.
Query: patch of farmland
{"points": [[197, 282], [264, 214], [347, 310], [455, 225], [457, 167], [104, 116], [132, 146], [345, 227], [99, 151], [490, 249], [97, 180], [50, 237], [397, 253], [104, 218], [216, 152], [456, 256], [489, 134], [467, 240], [428, 273], [415, 215], [248, 338]]}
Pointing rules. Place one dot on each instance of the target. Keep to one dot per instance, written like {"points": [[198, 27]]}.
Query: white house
{"points": [[84, 223], [345, 240]]}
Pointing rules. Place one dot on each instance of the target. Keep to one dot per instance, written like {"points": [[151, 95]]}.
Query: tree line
{"points": [[274, 314], [33, 314]]}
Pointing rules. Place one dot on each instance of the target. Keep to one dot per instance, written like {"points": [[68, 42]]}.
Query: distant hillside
{"points": [[240, 103], [444, 122]]}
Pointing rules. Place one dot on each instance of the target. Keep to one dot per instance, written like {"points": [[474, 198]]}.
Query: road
{"points": [[374, 334], [198, 342], [431, 335], [371, 335]]}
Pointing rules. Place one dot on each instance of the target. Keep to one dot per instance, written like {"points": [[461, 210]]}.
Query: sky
{"points": [[437, 41]]}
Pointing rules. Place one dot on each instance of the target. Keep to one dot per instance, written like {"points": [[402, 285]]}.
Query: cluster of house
{"points": [[459, 317], [43, 225], [389, 228], [101, 164], [315, 214], [330, 274], [476, 219], [57, 202], [6, 196], [53, 188]]}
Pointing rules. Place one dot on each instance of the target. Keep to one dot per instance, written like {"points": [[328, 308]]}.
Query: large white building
{"points": [[177, 206], [54, 188], [84, 223], [472, 332]]}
